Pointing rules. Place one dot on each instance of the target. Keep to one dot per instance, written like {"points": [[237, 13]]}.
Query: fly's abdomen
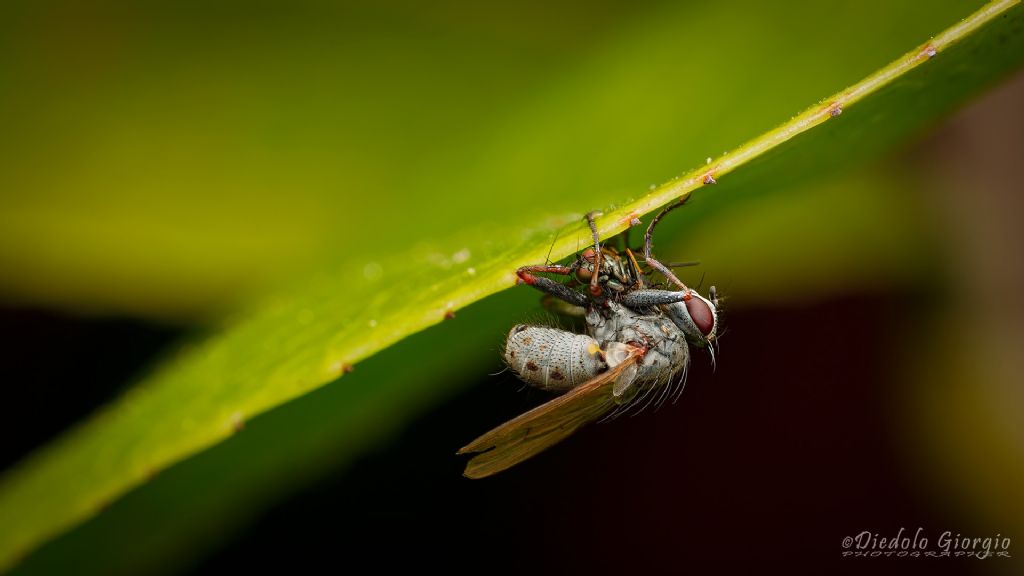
{"points": [[552, 359]]}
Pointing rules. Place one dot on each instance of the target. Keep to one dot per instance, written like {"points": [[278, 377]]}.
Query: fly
{"points": [[635, 350]]}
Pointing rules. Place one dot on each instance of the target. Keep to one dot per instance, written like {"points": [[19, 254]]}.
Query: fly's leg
{"points": [[664, 270], [549, 286], [639, 299], [635, 267], [562, 308], [526, 276], [696, 315]]}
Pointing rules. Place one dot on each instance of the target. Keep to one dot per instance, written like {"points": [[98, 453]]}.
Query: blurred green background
{"points": [[164, 167]]}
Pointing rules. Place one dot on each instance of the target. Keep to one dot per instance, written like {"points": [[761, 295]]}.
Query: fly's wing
{"points": [[616, 352], [547, 424]]}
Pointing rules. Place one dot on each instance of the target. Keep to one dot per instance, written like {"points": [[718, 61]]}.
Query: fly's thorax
{"points": [[667, 352], [613, 322], [553, 359]]}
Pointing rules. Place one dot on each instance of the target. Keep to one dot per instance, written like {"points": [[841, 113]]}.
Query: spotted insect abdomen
{"points": [[552, 359]]}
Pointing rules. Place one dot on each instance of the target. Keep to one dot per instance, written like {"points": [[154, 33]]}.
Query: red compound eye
{"points": [[701, 314]]}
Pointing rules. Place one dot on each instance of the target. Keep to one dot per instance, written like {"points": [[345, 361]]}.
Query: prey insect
{"points": [[635, 350]]}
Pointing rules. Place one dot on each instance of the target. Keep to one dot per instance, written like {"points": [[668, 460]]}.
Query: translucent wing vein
{"points": [[546, 425]]}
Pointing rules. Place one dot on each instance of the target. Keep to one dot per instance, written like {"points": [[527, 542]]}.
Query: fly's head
{"points": [[697, 317], [585, 261], [613, 272]]}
